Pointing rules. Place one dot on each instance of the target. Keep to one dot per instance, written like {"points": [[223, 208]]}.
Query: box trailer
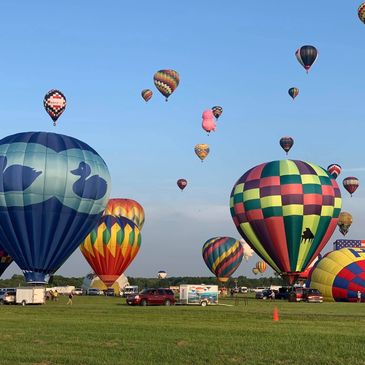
{"points": [[199, 294], [30, 295]]}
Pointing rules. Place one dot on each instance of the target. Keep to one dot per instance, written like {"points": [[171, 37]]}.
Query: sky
{"points": [[237, 54]]}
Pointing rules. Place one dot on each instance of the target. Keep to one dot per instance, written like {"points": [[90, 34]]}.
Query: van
{"points": [[130, 290], [93, 291]]}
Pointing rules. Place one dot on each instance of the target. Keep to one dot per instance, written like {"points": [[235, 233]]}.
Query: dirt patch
{"points": [[182, 343]]}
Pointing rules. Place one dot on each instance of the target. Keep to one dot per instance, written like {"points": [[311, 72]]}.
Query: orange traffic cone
{"points": [[275, 316]]}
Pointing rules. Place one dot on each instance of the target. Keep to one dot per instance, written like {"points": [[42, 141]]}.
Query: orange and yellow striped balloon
{"points": [[261, 266], [127, 208], [111, 247], [166, 81]]}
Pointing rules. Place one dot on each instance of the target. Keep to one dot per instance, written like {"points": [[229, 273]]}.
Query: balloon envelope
{"points": [[361, 12], [217, 111], [287, 211], [344, 222], [166, 81], [286, 143], [181, 183], [5, 260], [201, 150], [247, 250], [339, 275], [146, 94], [127, 208], [111, 247], [255, 270], [55, 104], [306, 56], [261, 266], [222, 255], [334, 170], [53, 190], [293, 92], [351, 183], [162, 274]]}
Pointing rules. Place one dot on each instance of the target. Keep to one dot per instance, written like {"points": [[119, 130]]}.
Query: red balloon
{"points": [[181, 183]]}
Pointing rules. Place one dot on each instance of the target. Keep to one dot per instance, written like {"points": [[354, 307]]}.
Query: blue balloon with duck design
{"points": [[53, 190]]}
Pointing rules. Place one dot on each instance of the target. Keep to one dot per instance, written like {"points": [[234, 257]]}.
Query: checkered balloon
{"points": [[55, 104], [287, 211]]}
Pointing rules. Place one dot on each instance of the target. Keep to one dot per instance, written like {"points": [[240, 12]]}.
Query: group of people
{"points": [[53, 295]]}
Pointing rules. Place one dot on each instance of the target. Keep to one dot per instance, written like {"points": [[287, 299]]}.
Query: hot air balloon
{"points": [[146, 94], [339, 275], [53, 190], [306, 56], [217, 111], [261, 266], [55, 104], [181, 183], [247, 250], [5, 260], [111, 247], [208, 123], [201, 150], [287, 211], [166, 81], [293, 92], [344, 222], [222, 255], [351, 183], [286, 143], [162, 274], [334, 170], [255, 270], [361, 12], [127, 208]]}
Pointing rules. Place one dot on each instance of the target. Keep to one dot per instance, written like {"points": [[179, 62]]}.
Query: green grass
{"points": [[103, 330]]}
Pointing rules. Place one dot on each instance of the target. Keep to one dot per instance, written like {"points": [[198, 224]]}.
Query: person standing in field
{"points": [[69, 299], [359, 296]]}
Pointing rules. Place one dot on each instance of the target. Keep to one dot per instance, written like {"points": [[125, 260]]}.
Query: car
{"points": [[312, 296], [264, 294], [296, 294], [152, 296], [93, 291], [283, 293], [77, 291], [109, 292], [8, 297]]}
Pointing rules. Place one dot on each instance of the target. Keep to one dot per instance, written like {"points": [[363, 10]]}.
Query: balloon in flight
{"points": [[334, 169], [344, 222], [351, 183], [306, 56], [202, 150], [293, 92], [222, 255], [55, 104], [217, 111], [361, 12], [111, 247], [53, 190], [146, 94], [208, 123], [261, 266], [181, 183], [166, 81], [287, 211], [286, 143]]}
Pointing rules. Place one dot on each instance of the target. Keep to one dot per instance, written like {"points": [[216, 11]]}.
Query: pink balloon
{"points": [[208, 123], [208, 114]]}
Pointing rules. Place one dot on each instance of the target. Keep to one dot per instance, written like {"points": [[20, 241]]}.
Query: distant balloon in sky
{"points": [[5, 260], [111, 247], [286, 143], [306, 56], [351, 183], [55, 104], [334, 170], [255, 270], [127, 208], [217, 111], [146, 94], [247, 250], [222, 255], [344, 222], [181, 183], [293, 92], [201, 150], [53, 190], [261, 266], [166, 81], [361, 12], [208, 123], [162, 274]]}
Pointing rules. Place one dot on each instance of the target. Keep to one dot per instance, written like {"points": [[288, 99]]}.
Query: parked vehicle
{"points": [[265, 294], [77, 291], [243, 289], [8, 297], [199, 294], [30, 295], [258, 289], [296, 295], [109, 292], [312, 296], [283, 293], [130, 289], [93, 291], [160, 296]]}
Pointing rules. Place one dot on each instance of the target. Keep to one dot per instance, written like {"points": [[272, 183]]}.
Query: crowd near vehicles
{"points": [[159, 296], [292, 294]]}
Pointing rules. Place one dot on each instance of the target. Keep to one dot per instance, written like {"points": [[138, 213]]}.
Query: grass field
{"points": [[103, 330]]}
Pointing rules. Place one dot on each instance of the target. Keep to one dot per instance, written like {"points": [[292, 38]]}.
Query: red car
{"points": [[312, 296], [160, 296]]}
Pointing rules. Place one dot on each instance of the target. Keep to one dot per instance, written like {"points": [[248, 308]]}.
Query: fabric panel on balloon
{"points": [[286, 207]]}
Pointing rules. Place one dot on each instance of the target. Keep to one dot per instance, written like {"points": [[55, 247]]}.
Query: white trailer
{"points": [[198, 294], [30, 295]]}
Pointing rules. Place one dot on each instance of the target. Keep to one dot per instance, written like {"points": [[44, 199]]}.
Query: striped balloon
{"points": [[5, 260], [261, 266], [334, 170], [293, 92], [217, 111], [361, 12], [146, 94], [351, 183], [222, 255], [166, 81], [111, 247]]}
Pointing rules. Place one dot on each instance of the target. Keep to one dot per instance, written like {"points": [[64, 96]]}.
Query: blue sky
{"points": [[237, 54]]}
